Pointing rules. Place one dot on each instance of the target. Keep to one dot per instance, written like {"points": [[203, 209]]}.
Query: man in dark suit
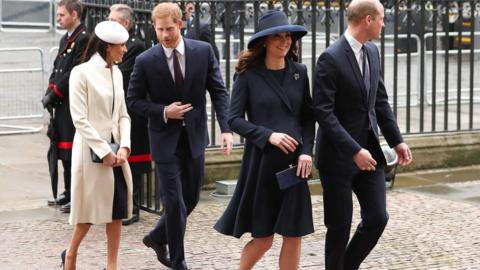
{"points": [[190, 29], [140, 159], [167, 87], [70, 51], [350, 102]]}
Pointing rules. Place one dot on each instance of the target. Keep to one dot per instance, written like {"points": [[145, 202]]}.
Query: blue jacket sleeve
{"points": [[239, 103], [137, 95]]}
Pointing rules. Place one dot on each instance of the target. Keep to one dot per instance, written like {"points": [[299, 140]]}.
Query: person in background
{"points": [[272, 89], [140, 159], [70, 51], [101, 192], [190, 30], [350, 103]]}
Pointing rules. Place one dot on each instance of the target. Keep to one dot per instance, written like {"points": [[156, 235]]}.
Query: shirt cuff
{"points": [[165, 119]]}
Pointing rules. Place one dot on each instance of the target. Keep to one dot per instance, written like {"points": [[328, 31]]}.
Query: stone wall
{"points": [[429, 152]]}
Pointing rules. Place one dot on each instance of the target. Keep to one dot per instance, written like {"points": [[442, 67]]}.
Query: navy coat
{"points": [[260, 105], [345, 115], [152, 88]]}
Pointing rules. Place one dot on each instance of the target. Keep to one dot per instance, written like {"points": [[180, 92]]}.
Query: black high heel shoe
{"points": [[62, 256]]}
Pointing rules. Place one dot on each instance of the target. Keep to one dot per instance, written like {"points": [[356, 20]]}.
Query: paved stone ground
{"points": [[424, 232]]}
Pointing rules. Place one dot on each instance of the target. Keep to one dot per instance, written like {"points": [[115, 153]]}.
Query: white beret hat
{"points": [[111, 32]]}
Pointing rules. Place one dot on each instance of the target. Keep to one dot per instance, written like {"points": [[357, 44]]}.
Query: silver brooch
{"points": [[296, 76]]}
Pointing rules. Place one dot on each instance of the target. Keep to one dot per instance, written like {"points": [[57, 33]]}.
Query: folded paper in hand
{"points": [[97, 159], [288, 178]]}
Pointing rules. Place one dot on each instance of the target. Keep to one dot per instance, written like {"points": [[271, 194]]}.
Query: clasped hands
{"points": [[118, 159], [289, 145]]}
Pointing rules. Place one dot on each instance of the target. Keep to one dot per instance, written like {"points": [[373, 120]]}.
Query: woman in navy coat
{"points": [[271, 108]]}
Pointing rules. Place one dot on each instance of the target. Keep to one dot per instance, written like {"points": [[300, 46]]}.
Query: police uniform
{"points": [[69, 55], [140, 159]]}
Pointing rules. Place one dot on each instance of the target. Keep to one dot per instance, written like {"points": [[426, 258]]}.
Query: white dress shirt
{"points": [[181, 60], [180, 55], [357, 49]]}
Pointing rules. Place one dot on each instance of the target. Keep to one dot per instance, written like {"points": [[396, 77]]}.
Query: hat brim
{"points": [[297, 31]]}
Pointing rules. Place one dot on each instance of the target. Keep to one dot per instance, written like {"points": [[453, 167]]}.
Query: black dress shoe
{"points": [[133, 219], [161, 250], [65, 208], [62, 199]]}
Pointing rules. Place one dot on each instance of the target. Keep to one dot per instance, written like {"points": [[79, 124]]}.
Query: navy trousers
{"points": [[179, 181], [369, 188]]}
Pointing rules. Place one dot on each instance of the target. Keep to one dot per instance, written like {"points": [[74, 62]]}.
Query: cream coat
{"points": [[91, 109]]}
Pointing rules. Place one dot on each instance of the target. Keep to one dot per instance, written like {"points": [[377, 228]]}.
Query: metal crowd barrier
{"points": [[27, 15], [21, 90]]}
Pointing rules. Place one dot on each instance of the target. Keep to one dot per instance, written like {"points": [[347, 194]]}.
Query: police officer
{"points": [[140, 160], [72, 46]]}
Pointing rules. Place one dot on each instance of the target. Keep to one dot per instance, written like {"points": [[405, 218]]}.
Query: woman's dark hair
{"points": [[251, 57], [95, 45]]}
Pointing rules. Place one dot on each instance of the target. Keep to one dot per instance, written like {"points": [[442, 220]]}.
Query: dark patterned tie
{"points": [[177, 72], [366, 69]]}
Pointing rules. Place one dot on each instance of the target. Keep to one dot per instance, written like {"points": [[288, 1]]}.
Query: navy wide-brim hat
{"points": [[274, 22]]}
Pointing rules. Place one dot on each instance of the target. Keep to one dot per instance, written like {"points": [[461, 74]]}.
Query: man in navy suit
{"points": [[167, 86], [350, 103]]}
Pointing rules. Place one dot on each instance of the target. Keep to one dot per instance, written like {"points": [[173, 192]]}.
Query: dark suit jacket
{"points": [[152, 88], [271, 107], [204, 34], [344, 112]]}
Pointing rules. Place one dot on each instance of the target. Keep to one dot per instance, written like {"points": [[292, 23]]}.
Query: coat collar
{"points": [[291, 73], [356, 69], [98, 61]]}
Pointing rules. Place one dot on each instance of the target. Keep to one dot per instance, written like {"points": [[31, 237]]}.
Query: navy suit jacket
{"points": [[152, 88], [344, 112]]}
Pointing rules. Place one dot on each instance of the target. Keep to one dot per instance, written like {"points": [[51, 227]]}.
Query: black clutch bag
{"points": [[288, 178], [97, 159]]}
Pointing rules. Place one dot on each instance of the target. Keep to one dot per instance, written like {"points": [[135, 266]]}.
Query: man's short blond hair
{"points": [[163, 10], [359, 9]]}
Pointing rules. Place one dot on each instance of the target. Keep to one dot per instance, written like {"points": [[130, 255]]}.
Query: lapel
{"points": [[373, 72], [356, 69], [163, 67], [190, 52], [274, 85]]}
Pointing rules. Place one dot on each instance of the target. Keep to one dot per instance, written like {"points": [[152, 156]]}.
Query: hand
{"points": [[364, 161], [404, 154], [177, 111], [227, 143], [304, 166], [122, 156], [48, 100], [283, 141], [110, 159]]}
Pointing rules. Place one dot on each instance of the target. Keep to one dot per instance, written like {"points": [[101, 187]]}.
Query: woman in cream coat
{"points": [[101, 192]]}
